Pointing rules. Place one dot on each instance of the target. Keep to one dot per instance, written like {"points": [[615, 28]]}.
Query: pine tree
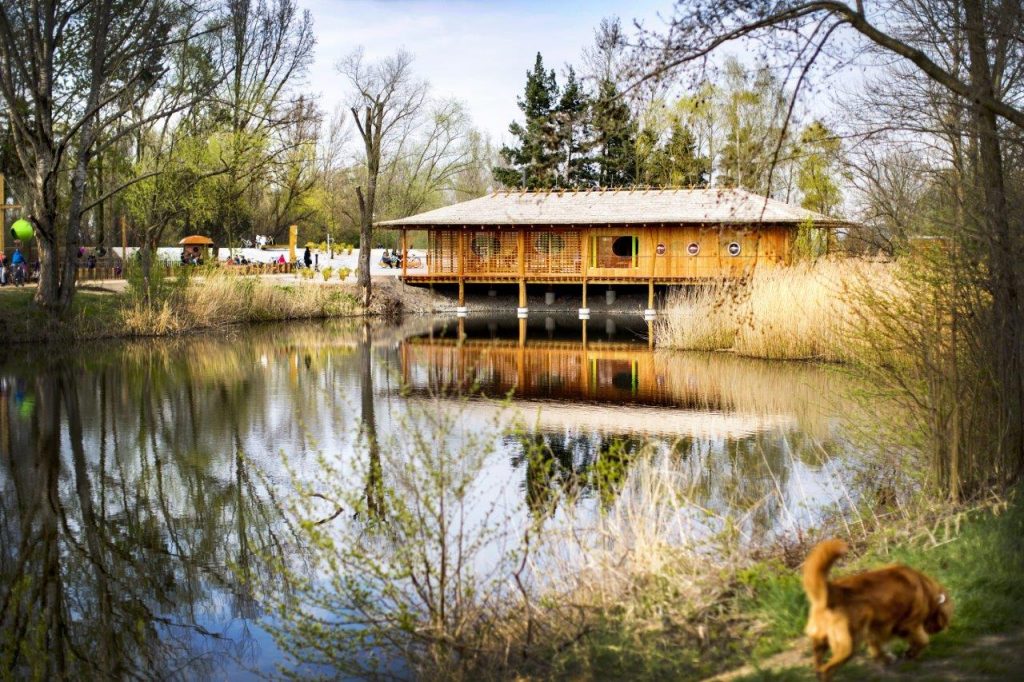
{"points": [[574, 135], [533, 163], [685, 168], [615, 134], [673, 163], [818, 156]]}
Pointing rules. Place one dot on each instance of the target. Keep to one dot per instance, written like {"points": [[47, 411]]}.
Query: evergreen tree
{"points": [[674, 163], [574, 135], [533, 162], [615, 134], [818, 157]]}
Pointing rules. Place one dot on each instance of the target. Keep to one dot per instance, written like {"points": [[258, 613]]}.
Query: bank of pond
{"points": [[177, 505]]}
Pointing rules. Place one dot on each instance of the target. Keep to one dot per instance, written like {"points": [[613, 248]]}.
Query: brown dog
{"points": [[873, 606]]}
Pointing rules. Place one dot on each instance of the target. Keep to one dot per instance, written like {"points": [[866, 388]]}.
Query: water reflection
{"points": [[120, 522], [594, 394], [140, 482]]}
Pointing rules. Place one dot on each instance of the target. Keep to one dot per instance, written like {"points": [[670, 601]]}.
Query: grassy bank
{"points": [[802, 312], [747, 610], [977, 554], [214, 300]]}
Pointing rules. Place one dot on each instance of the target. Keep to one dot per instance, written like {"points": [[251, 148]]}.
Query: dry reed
{"points": [[807, 311], [222, 298]]}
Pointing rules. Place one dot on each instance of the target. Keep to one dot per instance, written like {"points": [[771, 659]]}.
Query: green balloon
{"points": [[22, 229]]}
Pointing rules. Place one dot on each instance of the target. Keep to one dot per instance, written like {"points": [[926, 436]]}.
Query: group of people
{"points": [[391, 259], [16, 272], [87, 258]]}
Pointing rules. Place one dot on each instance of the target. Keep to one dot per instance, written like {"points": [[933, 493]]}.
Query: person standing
{"points": [[307, 258], [18, 266]]}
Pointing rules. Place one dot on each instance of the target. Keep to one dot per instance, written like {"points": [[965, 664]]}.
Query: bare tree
{"points": [[69, 72], [981, 72], [386, 101]]}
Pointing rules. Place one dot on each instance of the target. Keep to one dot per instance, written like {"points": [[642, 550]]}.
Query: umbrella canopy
{"points": [[196, 240]]}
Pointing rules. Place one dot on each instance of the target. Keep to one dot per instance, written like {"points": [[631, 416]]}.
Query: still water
{"points": [[140, 481]]}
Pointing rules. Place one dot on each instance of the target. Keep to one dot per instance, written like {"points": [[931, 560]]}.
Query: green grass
{"points": [[982, 568], [91, 314]]}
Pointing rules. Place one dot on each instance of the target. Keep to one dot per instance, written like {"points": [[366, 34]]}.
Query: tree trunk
{"points": [[365, 241], [1002, 243]]}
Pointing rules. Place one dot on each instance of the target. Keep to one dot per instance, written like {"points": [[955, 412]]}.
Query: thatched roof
{"points": [[616, 207]]}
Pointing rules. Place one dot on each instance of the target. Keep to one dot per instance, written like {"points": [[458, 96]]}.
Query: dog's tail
{"points": [[816, 568]]}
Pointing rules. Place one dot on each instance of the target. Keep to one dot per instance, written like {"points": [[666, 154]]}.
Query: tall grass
{"points": [[220, 298], [431, 570], [806, 311]]}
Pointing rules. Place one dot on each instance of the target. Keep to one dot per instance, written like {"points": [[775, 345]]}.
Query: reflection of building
{"points": [[572, 360], [600, 367], [605, 237]]}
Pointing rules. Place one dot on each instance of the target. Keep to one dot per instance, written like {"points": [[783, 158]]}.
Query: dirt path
{"points": [[993, 657]]}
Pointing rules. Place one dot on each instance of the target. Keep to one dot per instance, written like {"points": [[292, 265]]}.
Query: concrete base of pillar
{"points": [[461, 311], [584, 313], [522, 313], [549, 297], [650, 314]]}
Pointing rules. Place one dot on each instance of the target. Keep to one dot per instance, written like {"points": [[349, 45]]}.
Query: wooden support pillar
{"points": [[462, 269], [521, 262], [405, 255], [650, 294], [650, 334], [585, 265]]}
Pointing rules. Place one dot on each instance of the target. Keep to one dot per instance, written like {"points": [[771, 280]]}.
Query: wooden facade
{"points": [[648, 237], [664, 254]]}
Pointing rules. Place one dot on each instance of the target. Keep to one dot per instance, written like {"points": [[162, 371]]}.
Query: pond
{"points": [[141, 481]]}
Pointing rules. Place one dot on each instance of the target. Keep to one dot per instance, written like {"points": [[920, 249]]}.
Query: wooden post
{"points": [[585, 257], [462, 269], [405, 256], [650, 294], [521, 255]]}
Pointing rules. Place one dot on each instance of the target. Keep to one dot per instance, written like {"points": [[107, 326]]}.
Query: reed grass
{"points": [[807, 311], [221, 298]]}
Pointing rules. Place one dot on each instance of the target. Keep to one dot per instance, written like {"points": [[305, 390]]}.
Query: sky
{"points": [[477, 52]]}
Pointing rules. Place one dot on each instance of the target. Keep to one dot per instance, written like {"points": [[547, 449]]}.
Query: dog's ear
{"points": [[938, 619]]}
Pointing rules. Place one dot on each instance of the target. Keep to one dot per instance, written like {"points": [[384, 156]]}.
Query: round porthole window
{"points": [[734, 248], [693, 248], [485, 245], [622, 247]]}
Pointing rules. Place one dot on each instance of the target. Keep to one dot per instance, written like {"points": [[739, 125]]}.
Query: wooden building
{"points": [[667, 236]]}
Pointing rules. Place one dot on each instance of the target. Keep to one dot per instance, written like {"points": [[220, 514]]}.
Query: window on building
{"points": [[549, 243], [615, 251], [485, 245]]}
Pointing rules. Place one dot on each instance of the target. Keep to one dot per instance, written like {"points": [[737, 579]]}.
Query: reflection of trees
{"points": [[119, 523], [748, 474], [374, 472], [572, 465]]}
